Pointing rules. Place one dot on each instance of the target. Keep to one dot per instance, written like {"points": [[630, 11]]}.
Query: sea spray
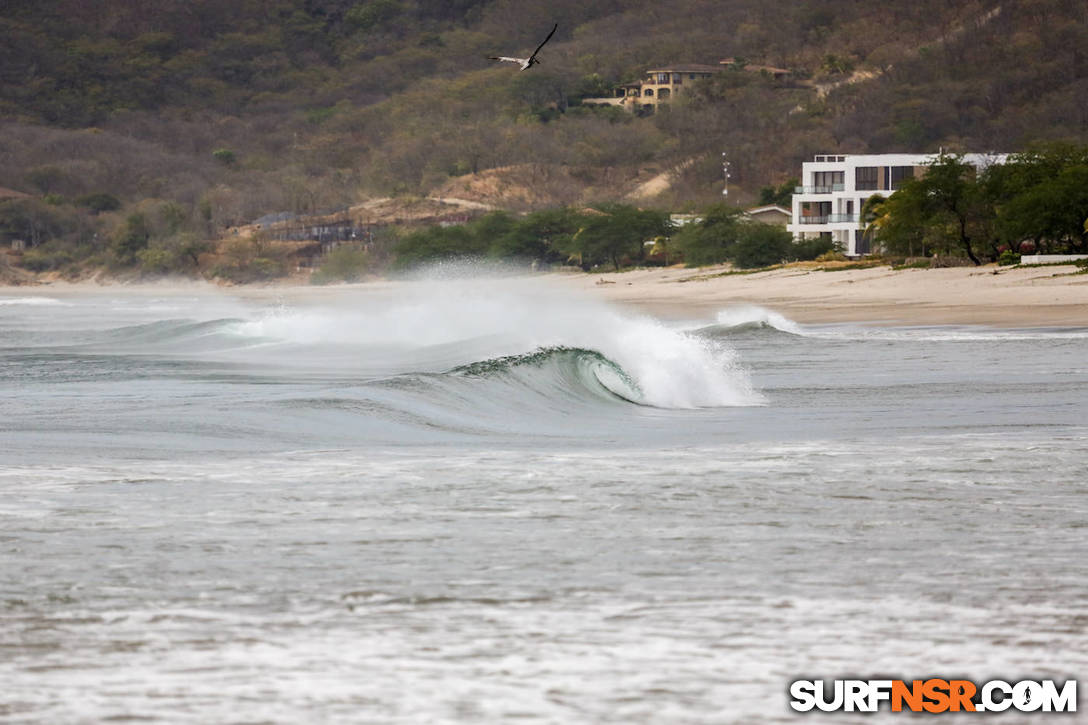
{"points": [[443, 324], [745, 316]]}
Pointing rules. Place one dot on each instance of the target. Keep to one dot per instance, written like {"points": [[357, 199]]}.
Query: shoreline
{"points": [[1050, 296]]}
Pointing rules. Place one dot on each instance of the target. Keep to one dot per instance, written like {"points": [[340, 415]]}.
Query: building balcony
{"points": [[819, 189], [813, 219], [842, 218]]}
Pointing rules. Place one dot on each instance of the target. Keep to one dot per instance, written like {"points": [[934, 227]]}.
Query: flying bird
{"points": [[526, 63]]}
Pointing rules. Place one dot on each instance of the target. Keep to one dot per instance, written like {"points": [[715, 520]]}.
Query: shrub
{"points": [[1008, 257], [711, 240], [157, 260], [831, 255], [250, 260], [99, 203], [343, 264], [225, 157], [131, 238], [808, 249], [47, 257], [761, 245]]}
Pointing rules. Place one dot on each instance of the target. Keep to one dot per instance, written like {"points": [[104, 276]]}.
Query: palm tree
{"points": [[873, 216]]}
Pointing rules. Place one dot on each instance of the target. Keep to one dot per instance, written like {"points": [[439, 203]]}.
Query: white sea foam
{"points": [[741, 315], [31, 302], [512, 316], [945, 333]]}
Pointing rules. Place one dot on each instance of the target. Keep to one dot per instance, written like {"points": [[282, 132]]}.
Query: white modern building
{"points": [[834, 188]]}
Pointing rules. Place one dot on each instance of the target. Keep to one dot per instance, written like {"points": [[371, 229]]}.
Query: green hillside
{"points": [[220, 113]]}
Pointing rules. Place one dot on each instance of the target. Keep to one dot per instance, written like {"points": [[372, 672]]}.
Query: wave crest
{"points": [[586, 368], [756, 317]]}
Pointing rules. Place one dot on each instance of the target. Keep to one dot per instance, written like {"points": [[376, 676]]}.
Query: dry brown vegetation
{"points": [[236, 110]]}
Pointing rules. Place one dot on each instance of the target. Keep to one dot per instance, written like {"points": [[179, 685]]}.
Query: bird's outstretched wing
{"points": [[519, 61], [554, 28]]}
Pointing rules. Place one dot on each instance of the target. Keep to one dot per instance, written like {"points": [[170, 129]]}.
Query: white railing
{"points": [[827, 189]]}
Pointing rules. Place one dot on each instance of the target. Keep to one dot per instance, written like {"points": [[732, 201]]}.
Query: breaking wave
{"points": [[744, 320], [471, 327], [468, 356], [754, 317], [578, 369]]}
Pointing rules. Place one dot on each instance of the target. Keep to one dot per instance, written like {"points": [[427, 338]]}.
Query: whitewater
{"points": [[490, 499]]}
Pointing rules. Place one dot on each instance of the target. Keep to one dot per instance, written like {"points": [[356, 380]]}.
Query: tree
{"points": [[371, 15], [781, 194], [760, 245], [438, 243], [710, 240], [725, 234], [34, 221], [492, 227], [131, 238], [1051, 210], [98, 203], [1041, 196], [617, 232], [947, 208], [540, 236]]}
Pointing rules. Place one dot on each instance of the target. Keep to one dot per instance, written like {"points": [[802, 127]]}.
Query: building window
{"points": [[677, 78], [663, 94], [828, 180], [900, 174], [662, 77], [647, 91], [866, 178]]}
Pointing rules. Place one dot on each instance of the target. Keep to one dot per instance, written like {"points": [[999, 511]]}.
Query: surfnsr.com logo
{"points": [[933, 695]]}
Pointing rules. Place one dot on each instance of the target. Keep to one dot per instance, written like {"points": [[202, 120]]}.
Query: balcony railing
{"points": [[818, 189], [828, 219]]}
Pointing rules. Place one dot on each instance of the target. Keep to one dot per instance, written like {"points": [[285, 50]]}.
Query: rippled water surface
{"points": [[490, 501]]}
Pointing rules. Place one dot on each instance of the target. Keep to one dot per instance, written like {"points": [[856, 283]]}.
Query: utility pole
{"points": [[725, 174]]}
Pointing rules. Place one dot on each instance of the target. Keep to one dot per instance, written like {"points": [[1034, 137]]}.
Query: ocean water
{"points": [[495, 501]]}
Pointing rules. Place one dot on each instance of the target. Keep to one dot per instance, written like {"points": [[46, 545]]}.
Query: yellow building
{"points": [[657, 86], [661, 84]]}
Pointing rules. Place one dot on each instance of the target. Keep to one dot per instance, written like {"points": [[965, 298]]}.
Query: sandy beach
{"points": [[989, 295]]}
